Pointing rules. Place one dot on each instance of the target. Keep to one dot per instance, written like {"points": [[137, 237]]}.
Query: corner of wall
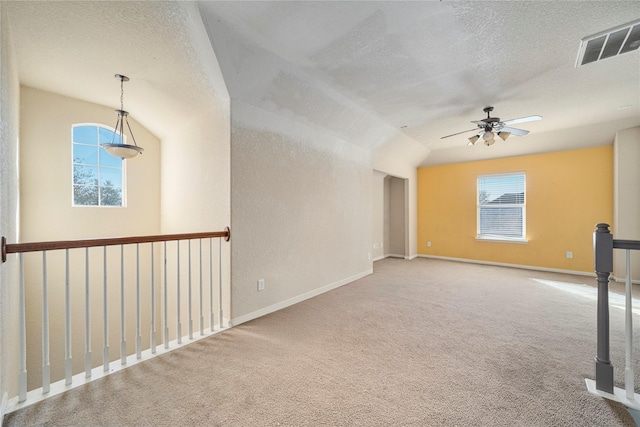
{"points": [[9, 203], [626, 200]]}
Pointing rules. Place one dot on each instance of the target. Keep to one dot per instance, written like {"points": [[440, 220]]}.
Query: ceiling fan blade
{"points": [[454, 134], [514, 131], [522, 120]]}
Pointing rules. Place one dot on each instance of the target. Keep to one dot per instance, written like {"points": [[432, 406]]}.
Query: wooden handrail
{"points": [[14, 248]]}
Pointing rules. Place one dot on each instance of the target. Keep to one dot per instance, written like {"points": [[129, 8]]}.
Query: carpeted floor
{"points": [[418, 343]]}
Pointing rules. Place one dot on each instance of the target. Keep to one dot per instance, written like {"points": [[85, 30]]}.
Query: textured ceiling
{"points": [[360, 70], [432, 67], [74, 48]]}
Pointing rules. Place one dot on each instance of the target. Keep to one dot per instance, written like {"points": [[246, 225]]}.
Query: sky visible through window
{"points": [[97, 176]]}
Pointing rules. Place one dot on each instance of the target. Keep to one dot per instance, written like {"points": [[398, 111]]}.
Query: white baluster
{"points": [[200, 300], [211, 318], [220, 280], [123, 339], [189, 295], [165, 298], [179, 336], [22, 376], [105, 315], [138, 334], [628, 372], [87, 317], [67, 323], [153, 303], [46, 369]]}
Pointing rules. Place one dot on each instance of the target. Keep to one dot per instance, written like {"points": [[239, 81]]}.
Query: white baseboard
{"points": [[395, 256], [623, 279], [3, 406], [408, 258], [502, 264], [286, 303]]}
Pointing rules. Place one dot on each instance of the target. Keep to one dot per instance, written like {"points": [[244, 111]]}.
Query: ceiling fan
{"points": [[492, 126]]}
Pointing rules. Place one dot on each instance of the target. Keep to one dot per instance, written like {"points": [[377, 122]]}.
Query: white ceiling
{"points": [[361, 70], [75, 48]]}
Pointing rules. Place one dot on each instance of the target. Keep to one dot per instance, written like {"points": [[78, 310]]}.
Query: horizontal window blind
{"points": [[501, 206]]}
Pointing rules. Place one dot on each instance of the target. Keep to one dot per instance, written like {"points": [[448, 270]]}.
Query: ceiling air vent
{"points": [[609, 43]]}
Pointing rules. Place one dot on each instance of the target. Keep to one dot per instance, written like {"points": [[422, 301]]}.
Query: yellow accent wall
{"points": [[567, 193]]}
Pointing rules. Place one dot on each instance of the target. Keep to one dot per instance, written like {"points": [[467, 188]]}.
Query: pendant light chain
{"points": [[121, 111], [119, 148], [126, 116]]}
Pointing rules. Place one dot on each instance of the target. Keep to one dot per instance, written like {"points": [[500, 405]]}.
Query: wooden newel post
{"points": [[603, 260]]}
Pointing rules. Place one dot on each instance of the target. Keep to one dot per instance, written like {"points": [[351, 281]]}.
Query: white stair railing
{"points": [[65, 377]]}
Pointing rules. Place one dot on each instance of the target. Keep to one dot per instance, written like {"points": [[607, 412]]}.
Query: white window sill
{"points": [[499, 240]]}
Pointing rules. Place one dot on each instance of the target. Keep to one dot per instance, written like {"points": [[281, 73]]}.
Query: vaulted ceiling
{"points": [[388, 76]]}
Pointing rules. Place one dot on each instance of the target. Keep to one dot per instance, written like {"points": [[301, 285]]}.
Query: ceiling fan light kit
{"points": [[492, 126], [504, 135]]}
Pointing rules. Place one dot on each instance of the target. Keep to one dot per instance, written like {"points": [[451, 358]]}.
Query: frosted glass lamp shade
{"points": [[489, 138], [123, 151], [504, 135]]}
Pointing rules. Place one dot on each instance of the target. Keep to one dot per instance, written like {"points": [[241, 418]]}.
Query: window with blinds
{"points": [[501, 207]]}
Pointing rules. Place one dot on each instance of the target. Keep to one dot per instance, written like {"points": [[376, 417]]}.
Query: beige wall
{"points": [[9, 131], [378, 214], [47, 214], [387, 216], [45, 168], [195, 167], [397, 166], [300, 208], [195, 189], [195, 171], [626, 209], [300, 195], [195, 175]]}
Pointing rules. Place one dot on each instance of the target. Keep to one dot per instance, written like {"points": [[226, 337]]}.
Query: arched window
{"points": [[98, 178]]}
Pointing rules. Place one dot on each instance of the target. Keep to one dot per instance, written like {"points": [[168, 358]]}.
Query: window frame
{"points": [[523, 206], [123, 194]]}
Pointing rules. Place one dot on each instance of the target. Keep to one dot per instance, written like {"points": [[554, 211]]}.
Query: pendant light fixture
{"points": [[119, 148]]}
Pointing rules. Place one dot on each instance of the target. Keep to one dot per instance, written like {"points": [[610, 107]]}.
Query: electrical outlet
{"points": [[261, 285], [375, 246], [428, 244], [369, 256], [569, 254]]}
